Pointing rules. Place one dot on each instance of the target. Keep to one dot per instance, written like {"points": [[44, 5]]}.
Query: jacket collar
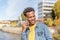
{"points": [[35, 27]]}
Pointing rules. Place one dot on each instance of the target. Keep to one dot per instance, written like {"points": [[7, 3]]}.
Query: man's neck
{"points": [[31, 24]]}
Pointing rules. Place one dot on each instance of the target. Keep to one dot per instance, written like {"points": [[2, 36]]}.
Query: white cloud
{"points": [[11, 8], [14, 7]]}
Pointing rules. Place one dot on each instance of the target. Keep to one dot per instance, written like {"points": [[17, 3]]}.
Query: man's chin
{"points": [[33, 23]]}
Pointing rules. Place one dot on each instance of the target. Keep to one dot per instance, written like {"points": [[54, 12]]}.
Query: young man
{"points": [[36, 30]]}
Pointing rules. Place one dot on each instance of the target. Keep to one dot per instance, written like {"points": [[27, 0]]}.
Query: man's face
{"points": [[31, 17]]}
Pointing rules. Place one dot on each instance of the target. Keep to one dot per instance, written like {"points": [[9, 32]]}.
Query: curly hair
{"points": [[29, 9]]}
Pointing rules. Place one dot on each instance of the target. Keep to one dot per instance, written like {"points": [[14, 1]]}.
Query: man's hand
{"points": [[24, 26]]}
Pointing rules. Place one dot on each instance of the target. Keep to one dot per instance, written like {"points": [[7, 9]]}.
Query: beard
{"points": [[32, 22]]}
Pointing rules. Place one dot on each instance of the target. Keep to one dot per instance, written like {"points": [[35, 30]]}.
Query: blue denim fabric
{"points": [[41, 33]]}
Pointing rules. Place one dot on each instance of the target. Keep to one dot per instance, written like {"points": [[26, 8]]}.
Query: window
{"points": [[46, 9]]}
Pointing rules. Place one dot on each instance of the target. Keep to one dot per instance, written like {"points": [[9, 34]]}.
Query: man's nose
{"points": [[32, 18]]}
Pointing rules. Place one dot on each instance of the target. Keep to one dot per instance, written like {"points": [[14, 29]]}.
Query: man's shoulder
{"points": [[40, 24]]}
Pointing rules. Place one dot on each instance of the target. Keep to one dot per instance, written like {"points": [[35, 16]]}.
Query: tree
{"points": [[56, 13], [23, 17], [56, 9], [53, 14]]}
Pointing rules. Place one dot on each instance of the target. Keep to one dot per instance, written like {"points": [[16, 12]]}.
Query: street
{"points": [[8, 36]]}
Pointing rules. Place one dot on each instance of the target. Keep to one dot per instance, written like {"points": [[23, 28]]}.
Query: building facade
{"points": [[45, 7]]}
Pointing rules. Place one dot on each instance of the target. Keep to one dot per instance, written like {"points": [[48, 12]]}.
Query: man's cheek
{"points": [[29, 19]]}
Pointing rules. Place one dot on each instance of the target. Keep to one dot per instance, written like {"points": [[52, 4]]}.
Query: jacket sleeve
{"points": [[48, 35], [23, 36]]}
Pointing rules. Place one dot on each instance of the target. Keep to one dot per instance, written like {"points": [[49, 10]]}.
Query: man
{"points": [[32, 30]]}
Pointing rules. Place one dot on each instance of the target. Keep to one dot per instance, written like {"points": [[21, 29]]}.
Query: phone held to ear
{"points": [[25, 25]]}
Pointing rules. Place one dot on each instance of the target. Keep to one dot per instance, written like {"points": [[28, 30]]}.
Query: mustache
{"points": [[33, 20]]}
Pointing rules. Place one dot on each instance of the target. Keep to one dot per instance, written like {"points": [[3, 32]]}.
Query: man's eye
{"points": [[29, 17], [34, 16]]}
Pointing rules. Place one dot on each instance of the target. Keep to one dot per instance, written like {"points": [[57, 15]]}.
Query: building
{"points": [[4, 23], [45, 7], [8, 23], [13, 23]]}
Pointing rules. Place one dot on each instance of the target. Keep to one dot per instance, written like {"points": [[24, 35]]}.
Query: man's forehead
{"points": [[30, 13]]}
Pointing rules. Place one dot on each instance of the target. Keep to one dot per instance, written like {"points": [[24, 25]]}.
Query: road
{"points": [[8, 36]]}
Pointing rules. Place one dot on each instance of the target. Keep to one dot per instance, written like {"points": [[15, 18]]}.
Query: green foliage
{"points": [[56, 36], [55, 22], [56, 9], [23, 17], [55, 15], [49, 21]]}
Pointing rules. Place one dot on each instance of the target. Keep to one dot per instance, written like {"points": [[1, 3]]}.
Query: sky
{"points": [[11, 9]]}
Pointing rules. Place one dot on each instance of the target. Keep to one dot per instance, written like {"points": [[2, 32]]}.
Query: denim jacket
{"points": [[41, 33]]}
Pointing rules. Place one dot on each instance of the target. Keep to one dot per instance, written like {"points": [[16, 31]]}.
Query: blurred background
{"points": [[11, 17]]}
